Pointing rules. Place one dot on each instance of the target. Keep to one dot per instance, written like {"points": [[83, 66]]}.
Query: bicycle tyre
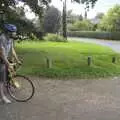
{"points": [[23, 79]]}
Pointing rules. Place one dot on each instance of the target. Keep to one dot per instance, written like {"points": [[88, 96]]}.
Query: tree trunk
{"points": [[64, 20]]}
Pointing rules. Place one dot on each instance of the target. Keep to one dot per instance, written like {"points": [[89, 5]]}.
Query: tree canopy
{"points": [[111, 21], [52, 20], [36, 5]]}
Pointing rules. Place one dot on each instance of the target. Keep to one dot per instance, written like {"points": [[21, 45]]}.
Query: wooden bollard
{"points": [[113, 59], [48, 62], [89, 60]]}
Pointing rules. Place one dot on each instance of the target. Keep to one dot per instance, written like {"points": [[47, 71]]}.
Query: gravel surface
{"points": [[68, 100]]}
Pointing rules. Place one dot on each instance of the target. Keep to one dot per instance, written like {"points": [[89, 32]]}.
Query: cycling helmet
{"points": [[10, 27]]}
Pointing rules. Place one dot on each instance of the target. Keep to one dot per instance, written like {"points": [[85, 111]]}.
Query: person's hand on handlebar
{"points": [[19, 62], [11, 67]]}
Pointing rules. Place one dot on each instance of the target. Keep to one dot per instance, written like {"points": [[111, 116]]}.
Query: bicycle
{"points": [[19, 87]]}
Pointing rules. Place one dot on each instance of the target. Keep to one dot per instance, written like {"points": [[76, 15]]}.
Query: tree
{"points": [[52, 20], [71, 18], [96, 20], [111, 21], [64, 21], [37, 6], [86, 14], [84, 25], [87, 2], [33, 4]]}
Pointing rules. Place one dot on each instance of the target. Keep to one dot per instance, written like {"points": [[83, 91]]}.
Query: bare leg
{"points": [[3, 79]]}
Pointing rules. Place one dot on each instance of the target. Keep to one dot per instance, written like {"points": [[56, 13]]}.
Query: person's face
{"points": [[12, 34]]}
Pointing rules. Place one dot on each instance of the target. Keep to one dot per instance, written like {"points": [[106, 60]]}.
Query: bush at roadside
{"points": [[54, 38]]}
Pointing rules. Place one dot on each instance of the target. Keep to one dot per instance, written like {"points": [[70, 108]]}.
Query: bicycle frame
{"points": [[10, 75]]}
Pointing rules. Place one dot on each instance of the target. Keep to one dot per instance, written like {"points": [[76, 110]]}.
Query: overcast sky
{"points": [[101, 6]]}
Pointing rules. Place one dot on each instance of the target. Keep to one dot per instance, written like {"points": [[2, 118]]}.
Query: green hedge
{"points": [[94, 34]]}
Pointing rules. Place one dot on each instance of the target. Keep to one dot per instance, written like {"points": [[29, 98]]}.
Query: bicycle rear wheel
{"points": [[21, 88]]}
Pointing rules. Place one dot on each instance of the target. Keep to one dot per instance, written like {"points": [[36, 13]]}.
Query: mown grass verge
{"points": [[69, 59]]}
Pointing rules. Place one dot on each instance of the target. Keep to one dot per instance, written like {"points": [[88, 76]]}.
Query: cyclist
{"points": [[6, 49]]}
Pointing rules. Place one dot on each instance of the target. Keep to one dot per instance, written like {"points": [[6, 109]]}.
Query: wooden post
{"points": [[89, 60], [113, 59], [48, 62]]}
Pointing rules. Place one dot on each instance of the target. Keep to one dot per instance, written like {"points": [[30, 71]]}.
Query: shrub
{"points": [[54, 37], [95, 34], [81, 26], [33, 37]]}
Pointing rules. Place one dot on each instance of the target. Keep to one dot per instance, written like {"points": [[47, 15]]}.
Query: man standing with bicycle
{"points": [[6, 49]]}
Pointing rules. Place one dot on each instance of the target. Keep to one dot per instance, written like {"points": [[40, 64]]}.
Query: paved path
{"points": [[68, 100], [115, 45]]}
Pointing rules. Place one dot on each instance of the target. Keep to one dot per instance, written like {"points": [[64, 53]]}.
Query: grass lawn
{"points": [[69, 59]]}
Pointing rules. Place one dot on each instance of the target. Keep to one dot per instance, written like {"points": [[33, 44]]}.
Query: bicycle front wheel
{"points": [[21, 88]]}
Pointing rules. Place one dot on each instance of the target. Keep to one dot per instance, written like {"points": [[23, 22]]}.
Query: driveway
{"points": [[115, 45], [68, 100]]}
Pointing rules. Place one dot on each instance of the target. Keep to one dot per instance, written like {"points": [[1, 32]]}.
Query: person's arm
{"points": [[15, 55]]}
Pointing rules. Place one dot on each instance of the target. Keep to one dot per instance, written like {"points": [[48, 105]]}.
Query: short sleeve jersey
{"points": [[6, 44]]}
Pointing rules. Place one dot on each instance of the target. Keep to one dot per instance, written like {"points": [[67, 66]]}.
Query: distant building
{"points": [[95, 20]]}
